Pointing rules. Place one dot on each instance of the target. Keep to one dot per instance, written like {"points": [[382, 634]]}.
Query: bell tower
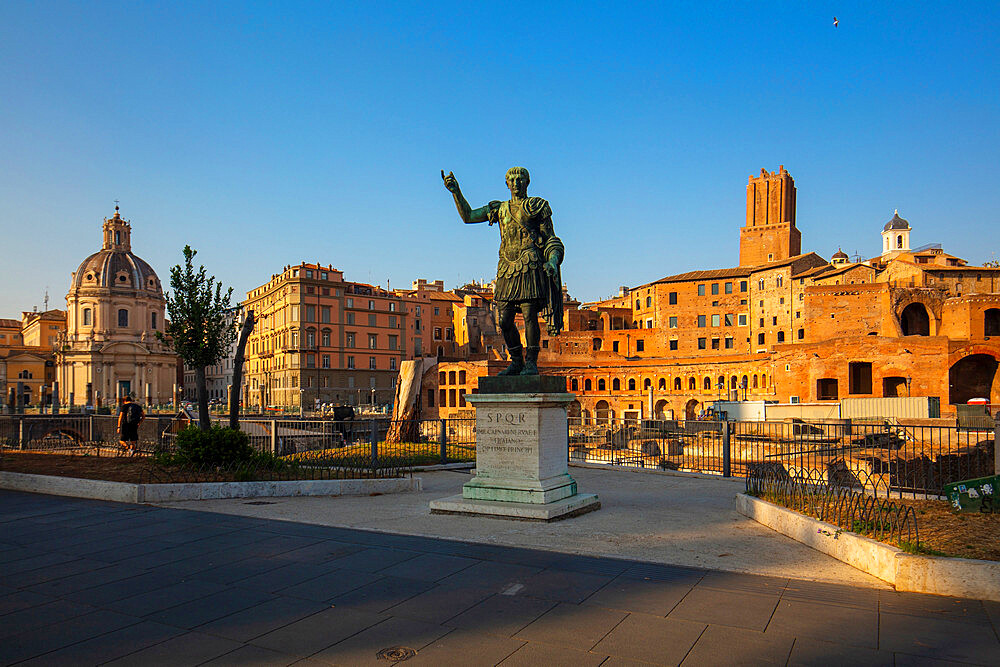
{"points": [[117, 233], [770, 234]]}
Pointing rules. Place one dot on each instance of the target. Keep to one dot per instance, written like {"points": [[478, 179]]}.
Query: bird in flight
{"points": [[835, 21]]}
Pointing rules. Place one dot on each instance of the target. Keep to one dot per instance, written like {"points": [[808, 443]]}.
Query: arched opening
{"points": [[573, 412], [616, 385], [915, 320], [754, 381], [603, 412], [646, 384], [574, 384], [588, 385], [692, 384], [691, 409], [662, 384], [601, 385], [894, 386], [659, 409], [585, 417], [631, 384], [971, 377], [596, 343], [899, 240], [707, 383], [732, 382], [991, 322], [677, 384]]}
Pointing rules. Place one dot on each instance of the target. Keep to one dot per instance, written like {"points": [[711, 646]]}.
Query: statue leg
{"points": [[532, 337], [512, 339]]}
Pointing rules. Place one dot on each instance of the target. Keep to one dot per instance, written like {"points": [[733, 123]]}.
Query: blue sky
{"points": [[269, 134]]}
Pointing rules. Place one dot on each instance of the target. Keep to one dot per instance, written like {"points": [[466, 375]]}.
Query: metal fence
{"points": [[882, 456], [75, 433]]}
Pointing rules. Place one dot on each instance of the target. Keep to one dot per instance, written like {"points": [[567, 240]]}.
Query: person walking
{"points": [[130, 415]]}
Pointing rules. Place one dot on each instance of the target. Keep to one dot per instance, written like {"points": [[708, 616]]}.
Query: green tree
{"points": [[200, 331]]}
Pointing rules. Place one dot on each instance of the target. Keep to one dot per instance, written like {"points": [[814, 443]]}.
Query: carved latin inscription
{"points": [[507, 444]]}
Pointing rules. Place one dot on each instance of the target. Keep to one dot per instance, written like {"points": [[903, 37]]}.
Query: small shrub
{"points": [[216, 446]]}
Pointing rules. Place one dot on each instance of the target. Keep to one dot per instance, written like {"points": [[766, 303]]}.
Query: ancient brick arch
{"points": [[905, 320]]}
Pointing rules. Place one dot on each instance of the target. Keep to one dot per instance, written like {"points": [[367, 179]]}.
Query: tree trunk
{"points": [[405, 426], [234, 396], [204, 420]]}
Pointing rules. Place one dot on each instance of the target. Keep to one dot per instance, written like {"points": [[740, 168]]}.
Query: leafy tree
{"points": [[199, 330], [993, 263]]}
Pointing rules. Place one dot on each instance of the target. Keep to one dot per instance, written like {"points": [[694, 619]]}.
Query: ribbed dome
{"points": [[896, 223], [840, 254], [106, 268]]}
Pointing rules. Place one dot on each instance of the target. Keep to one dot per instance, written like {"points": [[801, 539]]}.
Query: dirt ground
{"points": [[109, 468], [962, 535]]}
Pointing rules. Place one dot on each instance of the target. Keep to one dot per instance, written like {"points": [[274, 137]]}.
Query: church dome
{"points": [[896, 223], [840, 254], [115, 266]]}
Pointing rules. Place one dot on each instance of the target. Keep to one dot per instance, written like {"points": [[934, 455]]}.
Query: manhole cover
{"points": [[396, 653], [259, 502]]}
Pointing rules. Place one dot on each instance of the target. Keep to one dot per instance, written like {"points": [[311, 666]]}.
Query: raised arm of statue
{"points": [[465, 211]]}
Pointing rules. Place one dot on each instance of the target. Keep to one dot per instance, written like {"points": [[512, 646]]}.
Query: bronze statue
{"points": [[528, 276]]}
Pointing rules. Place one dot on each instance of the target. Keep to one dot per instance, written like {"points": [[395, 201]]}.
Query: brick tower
{"points": [[770, 234]]}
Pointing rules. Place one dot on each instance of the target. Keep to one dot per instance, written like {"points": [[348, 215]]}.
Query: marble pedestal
{"points": [[521, 454]]}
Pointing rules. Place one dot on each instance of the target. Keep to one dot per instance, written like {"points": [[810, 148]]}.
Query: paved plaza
{"points": [[91, 582]]}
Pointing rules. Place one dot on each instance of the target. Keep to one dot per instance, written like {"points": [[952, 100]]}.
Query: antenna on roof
{"points": [[46, 298], [856, 257]]}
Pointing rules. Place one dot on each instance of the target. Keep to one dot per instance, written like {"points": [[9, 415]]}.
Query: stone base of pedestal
{"points": [[566, 508], [520, 490]]}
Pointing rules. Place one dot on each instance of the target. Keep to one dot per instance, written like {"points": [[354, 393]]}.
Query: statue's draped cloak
{"points": [[527, 241]]}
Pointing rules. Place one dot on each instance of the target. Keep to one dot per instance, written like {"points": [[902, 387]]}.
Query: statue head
{"points": [[517, 181]]}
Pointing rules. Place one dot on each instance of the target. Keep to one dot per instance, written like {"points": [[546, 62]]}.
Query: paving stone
{"points": [[938, 638], [821, 592], [36, 616], [330, 585], [651, 639], [465, 647], [318, 554], [905, 660], [145, 604], [372, 559], [252, 655], [382, 594], [748, 583], [13, 600], [726, 607], [123, 588], [534, 654], [429, 567], [837, 623], [229, 573], [254, 621], [363, 648], [440, 603], [496, 576], [934, 606], [39, 641], [658, 572], [209, 608], [124, 550], [285, 576], [722, 645], [190, 648], [563, 586], [576, 626], [318, 631], [643, 595], [109, 646], [815, 653], [503, 615], [98, 575]]}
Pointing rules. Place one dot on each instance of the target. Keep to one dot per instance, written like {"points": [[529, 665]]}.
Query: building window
{"points": [[152, 317], [672, 298], [372, 363], [587, 385], [640, 346], [437, 310], [701, 290], [649, 301], [437, 333], [88, 317], [779, 281], [673, 322], [742, 320], [729, 288], [616, 385], [392, 306], [728, 320], [349, 319], [349, 303], [349, 339], [371, 305], [310, 361], [715, 289], [326, 361], [326, 338], [715, 320], [430, 398], [702, 320], [826, 389], [729, 342], [461, 377], [392, 322], [122, 317], [802, 334], [860, 377], [310, 313], [702, 343], [574, 384], [393, 342], [392, 363], [601, 385], [673, 343], [350, 361], [310, 338], [781, 336], [760, 283], [372, 320], [760, 339], [614, 346], [715, 343], [324, 313], [372, 341]]}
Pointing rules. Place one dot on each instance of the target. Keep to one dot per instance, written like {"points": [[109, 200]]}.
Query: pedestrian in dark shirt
{"points": [[130, 415]]}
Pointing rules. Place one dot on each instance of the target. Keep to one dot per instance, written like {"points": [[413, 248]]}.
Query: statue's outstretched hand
{"points": [[551, 268], [449, 181]]}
